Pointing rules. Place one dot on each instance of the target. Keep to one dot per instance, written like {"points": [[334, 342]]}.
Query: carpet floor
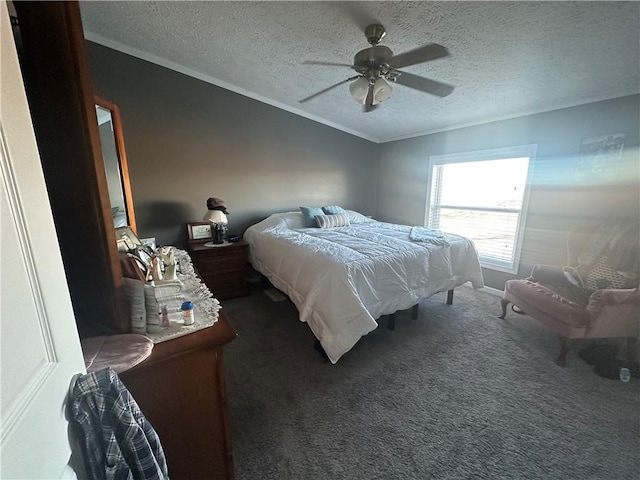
{"points": [[456, 393]]}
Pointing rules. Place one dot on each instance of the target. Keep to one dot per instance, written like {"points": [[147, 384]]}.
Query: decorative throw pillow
{"points": [[602, 276], [573, 276], [309, 214], [330, 221], [333, 210]]}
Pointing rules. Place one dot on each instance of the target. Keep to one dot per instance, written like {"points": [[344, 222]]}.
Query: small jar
{"points": [[625, 374], [187, 313]]}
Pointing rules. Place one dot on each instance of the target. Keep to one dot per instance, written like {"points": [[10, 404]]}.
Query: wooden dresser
{"points": [[223, 269], [181, 390]]}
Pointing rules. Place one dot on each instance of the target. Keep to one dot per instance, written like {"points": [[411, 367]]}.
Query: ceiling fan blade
{"points": [[328, 88], [368, 103], [424, 84], [328, 64], [422, 54]]}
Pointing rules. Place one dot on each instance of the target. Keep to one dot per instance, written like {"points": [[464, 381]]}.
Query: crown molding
{"points": [[134, 52]]}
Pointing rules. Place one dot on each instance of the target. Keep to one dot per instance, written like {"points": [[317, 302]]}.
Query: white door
{"points": [[40, 349]]}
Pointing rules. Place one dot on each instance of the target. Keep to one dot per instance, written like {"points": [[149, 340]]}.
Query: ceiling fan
{"points": [[377, 65]]}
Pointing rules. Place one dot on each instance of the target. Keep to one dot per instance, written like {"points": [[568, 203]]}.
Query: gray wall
{"points": [[559, 201], [188, 140]]}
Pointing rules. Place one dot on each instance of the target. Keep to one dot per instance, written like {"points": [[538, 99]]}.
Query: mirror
{"points": [[115, 164]]}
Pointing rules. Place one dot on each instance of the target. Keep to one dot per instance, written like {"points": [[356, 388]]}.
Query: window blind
{"points": [[482, 200]]}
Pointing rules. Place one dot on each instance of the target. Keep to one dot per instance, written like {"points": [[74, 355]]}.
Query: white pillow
{"points": [[330, 221], [355, 217], [294, 220]]}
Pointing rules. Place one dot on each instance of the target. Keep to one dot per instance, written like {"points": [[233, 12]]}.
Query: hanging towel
{"points": [[421, 234], [116, 441]]}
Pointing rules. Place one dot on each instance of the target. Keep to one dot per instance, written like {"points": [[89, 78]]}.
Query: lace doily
{"points": [[188, 287]]}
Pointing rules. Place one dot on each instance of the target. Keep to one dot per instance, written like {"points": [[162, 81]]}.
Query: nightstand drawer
{"points": [[221, 263]]}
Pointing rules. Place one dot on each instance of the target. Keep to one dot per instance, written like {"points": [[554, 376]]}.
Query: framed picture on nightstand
{"points": [[199, 231]]}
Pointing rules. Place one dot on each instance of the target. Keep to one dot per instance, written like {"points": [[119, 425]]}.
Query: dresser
{"points": [[180, 386], [181, 390], [222, 268]]}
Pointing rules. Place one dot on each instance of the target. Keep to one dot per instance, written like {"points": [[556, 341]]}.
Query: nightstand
{"points": [[222, 268]]}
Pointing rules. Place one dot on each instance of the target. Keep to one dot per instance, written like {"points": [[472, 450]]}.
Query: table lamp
{"points": [[217, 215]]}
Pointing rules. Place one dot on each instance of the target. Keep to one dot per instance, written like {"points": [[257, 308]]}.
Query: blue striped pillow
{"points": [[330, 221], [333, 210]]}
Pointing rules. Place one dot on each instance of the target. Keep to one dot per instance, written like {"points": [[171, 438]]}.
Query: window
{"points": [[483, 195]]}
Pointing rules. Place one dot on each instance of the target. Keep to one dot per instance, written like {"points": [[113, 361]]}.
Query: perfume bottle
{"points": [[187, 313]]}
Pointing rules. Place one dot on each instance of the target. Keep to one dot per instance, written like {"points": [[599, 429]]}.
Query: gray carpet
{"points": [[456, 393]]}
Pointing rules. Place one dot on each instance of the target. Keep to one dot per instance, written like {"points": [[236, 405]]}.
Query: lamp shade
{"points": [[215, 216], [381, 91], [359, 90]]}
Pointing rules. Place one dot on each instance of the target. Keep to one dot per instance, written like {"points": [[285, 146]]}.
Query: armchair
{"points": [[595, 296]]}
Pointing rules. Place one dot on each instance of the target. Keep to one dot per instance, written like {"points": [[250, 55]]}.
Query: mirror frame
{"points": [[122, 157]]}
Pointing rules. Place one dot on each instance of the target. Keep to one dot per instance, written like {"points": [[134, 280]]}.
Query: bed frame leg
{"points": [[450, 297], [414, 311], [318, 346], [392, 321]]}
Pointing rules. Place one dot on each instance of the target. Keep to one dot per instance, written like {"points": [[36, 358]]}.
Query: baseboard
{"points": [[492, 291]]}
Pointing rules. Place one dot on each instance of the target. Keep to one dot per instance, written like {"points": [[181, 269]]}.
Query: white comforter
{"points": [[342, 279]]}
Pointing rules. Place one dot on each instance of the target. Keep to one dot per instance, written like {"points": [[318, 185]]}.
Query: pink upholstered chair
{"points": [[595, 296]]}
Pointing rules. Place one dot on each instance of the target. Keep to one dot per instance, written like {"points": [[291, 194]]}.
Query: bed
{"points": [[342, 279]]}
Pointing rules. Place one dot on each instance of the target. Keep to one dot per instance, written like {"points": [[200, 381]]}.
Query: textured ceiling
{"points": [[507, 58]]}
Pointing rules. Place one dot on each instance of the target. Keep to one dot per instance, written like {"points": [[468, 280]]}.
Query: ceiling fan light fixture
{"points": [[377, 66], [358, 90], [381, 91]]}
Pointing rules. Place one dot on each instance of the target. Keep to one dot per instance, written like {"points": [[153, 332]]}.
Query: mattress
{"points": [[342, 279]]}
